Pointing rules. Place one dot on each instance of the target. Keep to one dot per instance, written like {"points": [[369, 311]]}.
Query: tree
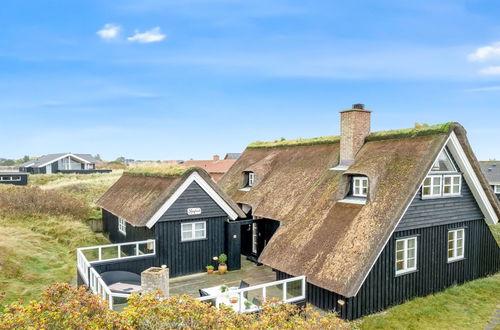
{"points": [[120, 159], [98, 157]]}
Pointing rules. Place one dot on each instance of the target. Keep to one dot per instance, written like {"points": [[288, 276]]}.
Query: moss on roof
{"points": [[375, 136], [410, 132], [159, 171], [293, 143]]}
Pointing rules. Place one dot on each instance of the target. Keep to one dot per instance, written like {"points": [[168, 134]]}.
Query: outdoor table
{"points": [[124, 287], [223, 298]]}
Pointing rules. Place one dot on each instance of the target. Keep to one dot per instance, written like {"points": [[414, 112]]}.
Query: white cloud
{"points": [[153, 35], [109, 31], [491, 70], [486, 53]]}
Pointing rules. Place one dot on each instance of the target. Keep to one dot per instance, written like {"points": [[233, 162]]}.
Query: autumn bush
{"points": [[64, 307], [31, 201]]}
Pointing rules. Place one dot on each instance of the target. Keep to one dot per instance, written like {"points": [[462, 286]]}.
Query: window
{"points": [[406, 255], [122, 226], [497, 189], [456, 244], [442, 185], [443, 163], [10, 178], [359, 186], [251, 179], [193, 231], [432, 186], [452, 184]]}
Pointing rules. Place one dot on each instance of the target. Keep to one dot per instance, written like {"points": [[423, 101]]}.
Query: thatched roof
{"points": [[141, 192], [333, 243]]}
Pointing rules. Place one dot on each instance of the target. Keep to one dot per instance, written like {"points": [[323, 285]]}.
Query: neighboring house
{"points": [[491, 170], [372, 219], [232, 155], [61, 163], [182, 209], [14, 178], [216, 167]]}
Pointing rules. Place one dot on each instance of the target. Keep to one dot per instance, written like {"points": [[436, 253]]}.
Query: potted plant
{"points": [[224, 288], [233, 300], [210, 269], [248, 304], [222, 263]]}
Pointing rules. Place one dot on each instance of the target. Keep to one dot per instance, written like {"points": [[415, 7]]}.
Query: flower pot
{"points": [[222, 269], [233, 300], [210, 271]]}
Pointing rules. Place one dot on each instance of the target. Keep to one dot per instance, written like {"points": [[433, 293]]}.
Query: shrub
{"points": [[64, 307], [32, 201]]}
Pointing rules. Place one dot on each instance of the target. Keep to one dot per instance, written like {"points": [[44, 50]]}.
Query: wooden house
{"points": [[14, 178], [61, 163], [371, 218], [181, 209], [491, 170]]}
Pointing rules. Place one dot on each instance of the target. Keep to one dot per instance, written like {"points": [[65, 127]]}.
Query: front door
{"points": [[48, 169]]}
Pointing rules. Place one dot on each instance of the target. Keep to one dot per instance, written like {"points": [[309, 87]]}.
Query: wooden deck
{"points": [[249, 272]]}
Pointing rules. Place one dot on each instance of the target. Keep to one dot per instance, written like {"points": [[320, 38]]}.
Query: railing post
{"points": [[264, 294], [119, 251], [100, 253], [136, 249], [240, 302], [284, 291]]}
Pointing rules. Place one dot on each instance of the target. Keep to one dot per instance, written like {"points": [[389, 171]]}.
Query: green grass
{"points": [[159, 171], [375, 136], [468, 306], [410, 132], [37, 245]]}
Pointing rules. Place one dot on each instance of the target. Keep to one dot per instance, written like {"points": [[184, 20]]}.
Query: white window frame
{"points": [[433, 185], [449, 158], [455, 246], [405, 259], [497, 189], [251, 179], [452, 184], [122, 226], [189, 227], [358, 183]]}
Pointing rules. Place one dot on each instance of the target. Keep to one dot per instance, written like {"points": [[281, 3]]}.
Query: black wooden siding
{"points": [[382, 288], [23, 182], [438, 211], [110, 224], [189, 256], [193, 197]]}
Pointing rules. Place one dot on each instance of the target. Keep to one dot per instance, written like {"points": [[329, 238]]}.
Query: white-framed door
{"points": [[48, 169], [255, 238]]}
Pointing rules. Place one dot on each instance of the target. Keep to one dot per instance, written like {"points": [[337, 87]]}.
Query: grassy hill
{"points": [[41, 226]]}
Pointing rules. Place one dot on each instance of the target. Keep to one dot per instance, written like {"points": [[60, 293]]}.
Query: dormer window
{"points": [[251, 179], [359, 186], [248, 180]]}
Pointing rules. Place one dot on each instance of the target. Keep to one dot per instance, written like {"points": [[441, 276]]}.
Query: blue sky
{"points": [[180, 79]]}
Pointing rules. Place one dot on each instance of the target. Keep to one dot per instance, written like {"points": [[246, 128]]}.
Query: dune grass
{"points": [[467, 306]]}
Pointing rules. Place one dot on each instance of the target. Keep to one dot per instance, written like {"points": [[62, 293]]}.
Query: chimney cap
{"points": [[358, 106]]}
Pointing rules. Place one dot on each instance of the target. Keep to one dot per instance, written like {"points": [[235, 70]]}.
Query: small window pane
{"points": [[427, 181], [460, 233], [199, 234], [399, 245], [187, 235], [460, 252], [411, 253], [399, 265], [450, 253], [399, 255], [199, 226], [427, 191], [411, 243], [411, 263]]}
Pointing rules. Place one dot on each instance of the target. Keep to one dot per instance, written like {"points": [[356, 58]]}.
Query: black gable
{"points": [[439, 211], [193, 197]]}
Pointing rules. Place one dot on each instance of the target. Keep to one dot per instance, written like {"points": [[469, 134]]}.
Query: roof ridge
{"points": [[170, 171], [374, 136]]}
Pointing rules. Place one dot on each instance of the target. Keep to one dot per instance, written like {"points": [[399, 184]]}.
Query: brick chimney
{"points": [[354, 128], [216, 157]]}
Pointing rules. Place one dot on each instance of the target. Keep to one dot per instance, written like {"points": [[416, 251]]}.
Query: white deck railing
{"points": [[90, 276], [283, 290]]}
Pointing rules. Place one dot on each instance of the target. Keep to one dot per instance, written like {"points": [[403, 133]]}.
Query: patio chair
{"points": [[202, 293], [244, 284]]}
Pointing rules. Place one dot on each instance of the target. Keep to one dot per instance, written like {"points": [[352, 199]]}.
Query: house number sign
{"points": [[193, 211]]}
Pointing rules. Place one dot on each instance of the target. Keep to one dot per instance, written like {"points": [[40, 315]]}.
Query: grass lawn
{"points": [[468, 306], [37, 247]]}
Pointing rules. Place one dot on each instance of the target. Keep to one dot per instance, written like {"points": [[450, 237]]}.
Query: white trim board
{"points": [[194, 177], [61, 157], [470, 177]]}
